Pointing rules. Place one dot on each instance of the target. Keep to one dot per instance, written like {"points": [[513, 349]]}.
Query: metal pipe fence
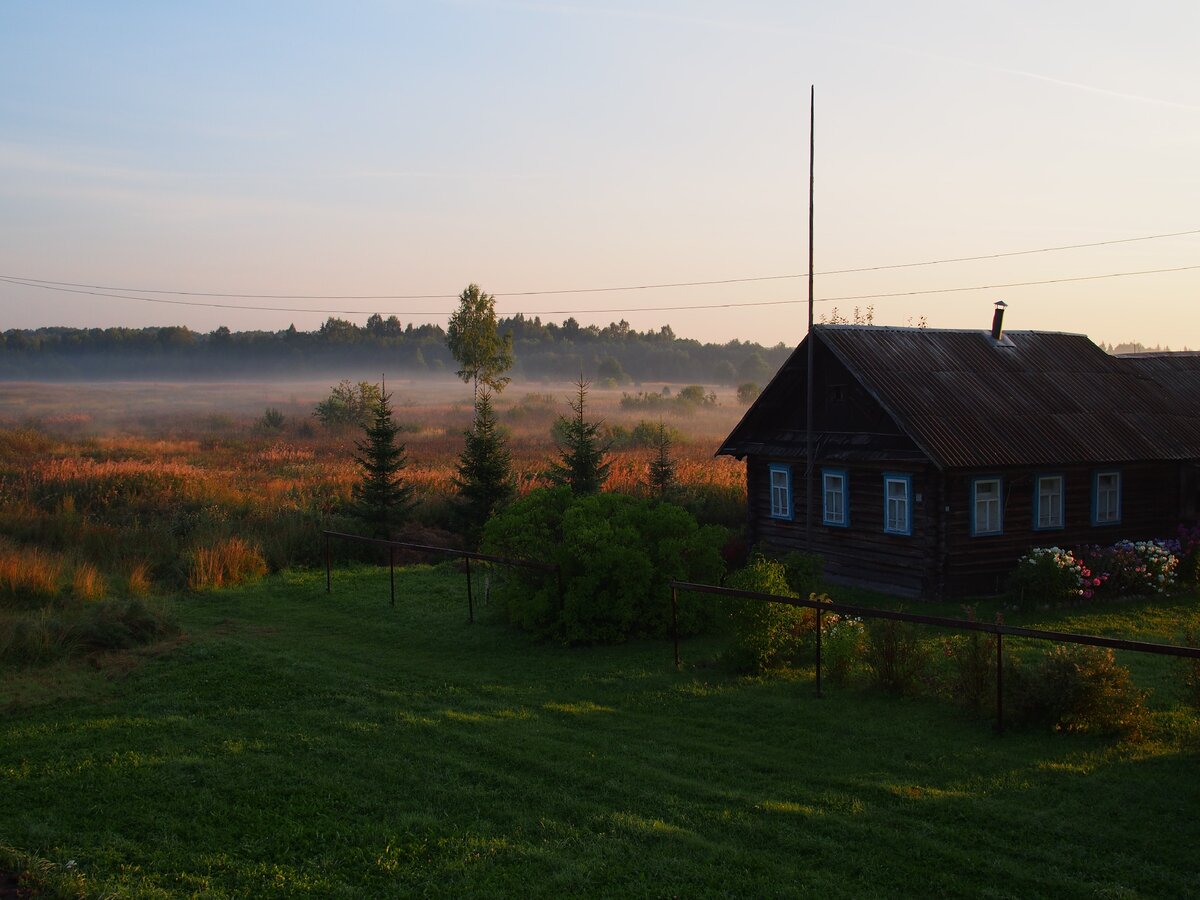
{"points": [[864, 612], [466, 555]]}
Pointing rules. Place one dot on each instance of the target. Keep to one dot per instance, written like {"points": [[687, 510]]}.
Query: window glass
{"points": [[1050, 502], [781, 492], [834, 508], [1108, 497], [896, 507], [987, 506]]}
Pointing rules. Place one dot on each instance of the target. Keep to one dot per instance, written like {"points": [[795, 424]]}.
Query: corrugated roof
{"points": [[1034, 398]]}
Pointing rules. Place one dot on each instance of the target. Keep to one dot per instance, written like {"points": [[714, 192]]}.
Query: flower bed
{"points": [[1056, 575]]}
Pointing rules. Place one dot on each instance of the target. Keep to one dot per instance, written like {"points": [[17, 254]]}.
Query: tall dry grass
{"points": [[223, 564], [29, 575]]}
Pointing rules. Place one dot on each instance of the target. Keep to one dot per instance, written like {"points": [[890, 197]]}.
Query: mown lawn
{"points": [[299, 744]]}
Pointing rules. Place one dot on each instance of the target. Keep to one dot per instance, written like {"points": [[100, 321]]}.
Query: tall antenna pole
{"points": [[808, 418]]}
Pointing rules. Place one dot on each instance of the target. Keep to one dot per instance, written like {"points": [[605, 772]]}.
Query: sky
{"points": [[350, 158]]}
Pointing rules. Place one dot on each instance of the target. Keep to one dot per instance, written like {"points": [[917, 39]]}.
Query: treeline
{"points": [[616, 353]]}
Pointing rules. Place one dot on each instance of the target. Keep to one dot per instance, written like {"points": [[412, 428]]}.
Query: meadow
{"points": [[146, 483], [190, 735], [294, 743]]}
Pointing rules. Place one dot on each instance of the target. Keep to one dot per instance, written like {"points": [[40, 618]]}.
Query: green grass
{"points": [[301, 744]]}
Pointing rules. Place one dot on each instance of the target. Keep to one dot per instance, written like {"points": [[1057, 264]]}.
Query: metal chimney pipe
{"points": [[998, 320]]}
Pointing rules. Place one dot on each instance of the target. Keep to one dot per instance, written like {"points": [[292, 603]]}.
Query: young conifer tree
{"points": [[484, 480], [662, 466], [582, 464], [380, 498]]}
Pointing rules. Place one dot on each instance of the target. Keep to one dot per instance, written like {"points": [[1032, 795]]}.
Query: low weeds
{"points": [[896, 658], [46, 635], [970, 671], [224, 564]]}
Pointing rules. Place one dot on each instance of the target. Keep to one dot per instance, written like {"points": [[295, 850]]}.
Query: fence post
{"points": [[819, 614], [675, 622], [328, 567], [392, 571], [999, 683], [470, 598]]}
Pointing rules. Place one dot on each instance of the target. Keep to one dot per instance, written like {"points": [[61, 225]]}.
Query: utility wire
{"points": [[597, 290], [626, 309]]}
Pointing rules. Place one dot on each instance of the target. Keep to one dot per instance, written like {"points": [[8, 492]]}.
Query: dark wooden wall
{"points": [[1150, 508], [941, 558], [861, 553]]}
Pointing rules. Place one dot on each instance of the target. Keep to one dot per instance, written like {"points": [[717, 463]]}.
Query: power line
{"points": [[627, 309], [31, 282]]}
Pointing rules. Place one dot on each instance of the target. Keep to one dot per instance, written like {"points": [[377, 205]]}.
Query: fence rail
{"points": [[865, 612], [393, 546]]}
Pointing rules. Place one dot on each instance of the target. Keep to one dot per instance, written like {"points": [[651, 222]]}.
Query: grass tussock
{"points": [[28, 575], [224, 564], [87, 583], [137, 580]]}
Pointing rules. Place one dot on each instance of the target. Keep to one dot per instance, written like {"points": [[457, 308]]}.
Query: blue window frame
{"points": [[987, 505], [1106, 497], [835, 498], [781, 491], [1049, 502], [897, 503]]}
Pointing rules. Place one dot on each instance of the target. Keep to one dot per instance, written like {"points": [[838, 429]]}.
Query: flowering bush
{"points": [[1052, 575], [1149, 566]]}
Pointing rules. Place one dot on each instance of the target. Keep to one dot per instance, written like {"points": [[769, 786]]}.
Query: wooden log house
{"points": [[941, 456]]}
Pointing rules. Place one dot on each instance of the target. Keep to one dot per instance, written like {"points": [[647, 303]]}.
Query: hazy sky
{"points": [[408, 148]]}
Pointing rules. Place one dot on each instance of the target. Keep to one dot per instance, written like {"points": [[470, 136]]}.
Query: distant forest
{"points": [[615, 354]]}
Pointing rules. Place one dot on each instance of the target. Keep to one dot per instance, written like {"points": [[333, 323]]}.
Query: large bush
{"points": [[1075, 688], [616, 555], [764, 634]]}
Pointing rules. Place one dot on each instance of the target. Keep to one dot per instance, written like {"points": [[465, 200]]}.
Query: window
{"points": [[1048, 502], [987, 516], [897, 511], [833, 489], [781, 492], [1106, 498]]}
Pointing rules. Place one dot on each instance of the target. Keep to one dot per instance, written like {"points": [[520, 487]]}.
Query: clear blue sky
{"points": [[388, 148]]}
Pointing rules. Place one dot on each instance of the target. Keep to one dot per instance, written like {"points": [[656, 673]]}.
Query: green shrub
{"points": [[896, 658], [272, 420], [1075, 688], [804, 572], [1188, 571], [764, 634], [843, 646], [616, 555]]}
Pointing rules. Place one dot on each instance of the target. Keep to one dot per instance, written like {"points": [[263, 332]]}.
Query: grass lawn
{"points": [[300, 744]]}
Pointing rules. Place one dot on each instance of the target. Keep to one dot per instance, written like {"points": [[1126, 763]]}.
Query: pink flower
{"points": [[1097, 582]]}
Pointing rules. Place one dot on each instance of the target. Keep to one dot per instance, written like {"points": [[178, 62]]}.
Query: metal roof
{"points": [[969, 401]]}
